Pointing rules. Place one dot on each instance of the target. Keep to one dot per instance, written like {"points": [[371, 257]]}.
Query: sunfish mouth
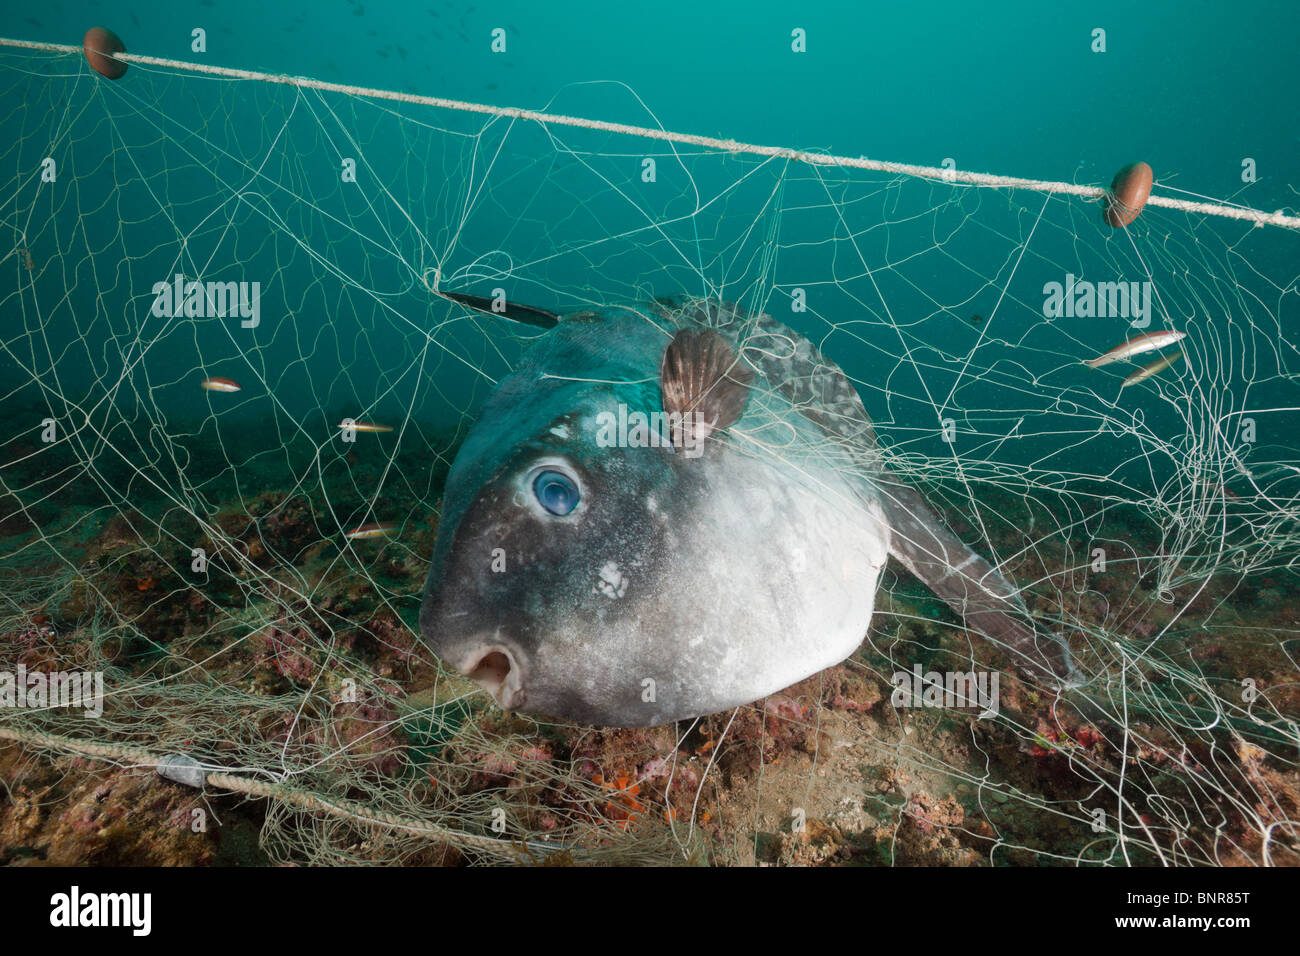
{"points": [[496, 668]]}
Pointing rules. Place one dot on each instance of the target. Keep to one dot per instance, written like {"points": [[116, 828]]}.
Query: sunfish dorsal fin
{"points": [[705, 386], [528, 314]]}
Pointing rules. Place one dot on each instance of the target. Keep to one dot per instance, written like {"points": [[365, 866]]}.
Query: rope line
{"points": [[934, 173], [303, 799]]}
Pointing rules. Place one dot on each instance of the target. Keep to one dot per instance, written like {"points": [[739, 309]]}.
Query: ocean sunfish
{"points": [[670, 510]]}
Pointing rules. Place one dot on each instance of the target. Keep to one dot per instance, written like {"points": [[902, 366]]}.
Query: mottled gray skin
{"points": [[680, 586]]}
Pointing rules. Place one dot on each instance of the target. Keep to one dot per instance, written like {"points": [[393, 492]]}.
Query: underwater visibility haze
{"points": [[446, 433]]}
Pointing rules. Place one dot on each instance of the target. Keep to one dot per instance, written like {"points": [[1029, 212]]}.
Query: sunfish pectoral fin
{"points": [[972, 587], [527, 314]]}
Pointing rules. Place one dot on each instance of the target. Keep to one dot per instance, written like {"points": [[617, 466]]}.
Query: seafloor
{"points": [[827, 772]]}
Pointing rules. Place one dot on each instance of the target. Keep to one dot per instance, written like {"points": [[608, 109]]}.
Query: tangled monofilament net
{"points": [[1153, 526]]}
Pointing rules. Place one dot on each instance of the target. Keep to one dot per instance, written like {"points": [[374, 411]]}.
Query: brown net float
{"points": [[1128, 194], [101, 47]]}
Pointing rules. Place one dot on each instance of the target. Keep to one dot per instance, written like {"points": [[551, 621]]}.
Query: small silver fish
{"points": [[673, 509], [375, 529], [219, 384], [1146, 371], [364, 426], [1147, 342]]}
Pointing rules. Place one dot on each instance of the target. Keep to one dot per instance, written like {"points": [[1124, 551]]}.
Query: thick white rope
{"points": [[128, 756], [951, 176]]}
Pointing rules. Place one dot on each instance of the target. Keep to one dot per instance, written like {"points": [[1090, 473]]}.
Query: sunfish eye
{"points": [[556, 492]]}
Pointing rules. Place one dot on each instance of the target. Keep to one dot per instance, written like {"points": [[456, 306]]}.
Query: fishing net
{"points": [[192, 545]]}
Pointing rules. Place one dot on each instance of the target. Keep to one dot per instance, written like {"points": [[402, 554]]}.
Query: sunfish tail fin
{"points": [[971, 586]]}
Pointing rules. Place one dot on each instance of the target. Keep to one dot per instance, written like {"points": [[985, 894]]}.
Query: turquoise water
{"points": [[1011, 87], [929, 295]]}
